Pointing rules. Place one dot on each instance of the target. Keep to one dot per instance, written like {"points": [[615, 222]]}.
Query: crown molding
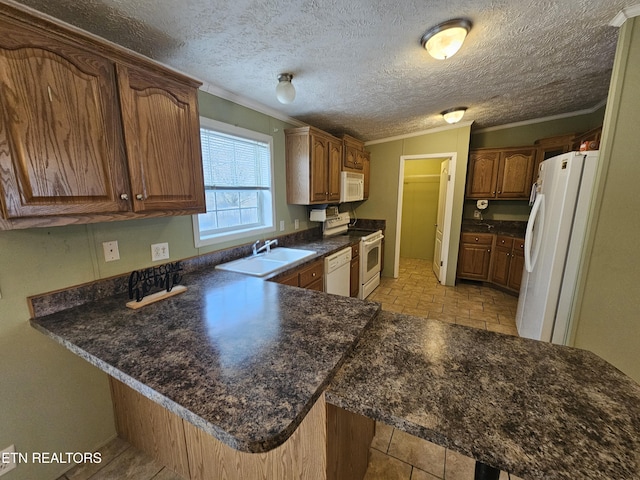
{"points": [[624, 15], [245, 102], [422, 132], [560, 116]]}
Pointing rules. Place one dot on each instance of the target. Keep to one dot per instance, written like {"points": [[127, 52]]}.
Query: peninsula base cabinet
{"points": [[329, 444]]}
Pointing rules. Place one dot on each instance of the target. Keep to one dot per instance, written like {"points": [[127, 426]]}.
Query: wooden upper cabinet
{"points": [[334, 161], [483, 174], [514, 174], [550, 147], [162, 140], [313, 160], [353, 154], [350, 158], [356, 159], [319, 168], [60, 134], [90, 131], [500, 173], [366, 169]]}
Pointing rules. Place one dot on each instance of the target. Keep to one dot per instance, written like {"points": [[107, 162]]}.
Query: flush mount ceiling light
{"points": [[454, 115], [445, 39], [285, 92]]}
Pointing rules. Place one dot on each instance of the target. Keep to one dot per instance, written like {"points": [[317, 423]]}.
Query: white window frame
{"points": [[240, 232]]}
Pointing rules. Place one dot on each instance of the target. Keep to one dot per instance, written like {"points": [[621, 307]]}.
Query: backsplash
{"points": [[51, 302]]}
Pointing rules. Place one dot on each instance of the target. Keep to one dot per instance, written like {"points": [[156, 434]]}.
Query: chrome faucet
{"points": [[266, 246]]}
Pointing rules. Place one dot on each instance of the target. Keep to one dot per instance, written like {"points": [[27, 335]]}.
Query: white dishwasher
{"points": [[337, 273]]}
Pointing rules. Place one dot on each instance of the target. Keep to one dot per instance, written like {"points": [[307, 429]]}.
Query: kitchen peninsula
{"points": [[247, 365]]}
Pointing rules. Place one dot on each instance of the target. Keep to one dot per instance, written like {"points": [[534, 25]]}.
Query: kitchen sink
{"points": [[266, 263]]}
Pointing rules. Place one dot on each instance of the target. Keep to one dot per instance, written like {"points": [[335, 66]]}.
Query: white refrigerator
{"points": [[553, 245]]}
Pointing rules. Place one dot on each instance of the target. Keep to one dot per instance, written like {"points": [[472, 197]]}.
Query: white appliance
{"points": [[351, 187], [337, 273], [370, 251], [553, 245], [323, 214], [370, 262]]}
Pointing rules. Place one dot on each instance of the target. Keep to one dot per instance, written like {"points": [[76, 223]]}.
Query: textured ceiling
{"points": [[358, 65]]}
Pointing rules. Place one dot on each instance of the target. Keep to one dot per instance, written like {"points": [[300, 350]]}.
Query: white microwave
{"points": [[351, 187]]}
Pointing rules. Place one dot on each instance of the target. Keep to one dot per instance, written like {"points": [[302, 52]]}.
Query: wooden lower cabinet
{"points": [[475, 256], [507, 262], [517, 265], [329, 444], [309, 276], [498, 259], [501, 261]]}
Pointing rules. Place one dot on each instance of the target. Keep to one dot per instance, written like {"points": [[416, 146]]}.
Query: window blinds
{"points": [[234, 162]]}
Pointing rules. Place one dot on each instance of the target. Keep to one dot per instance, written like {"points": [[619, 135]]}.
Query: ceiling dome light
{"points": [[445, 39], [454, 115], [285, 91]]}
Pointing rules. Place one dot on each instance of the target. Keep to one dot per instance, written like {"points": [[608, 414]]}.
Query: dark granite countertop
{"points": [[241, 358], [538, 410], [498, 227]]}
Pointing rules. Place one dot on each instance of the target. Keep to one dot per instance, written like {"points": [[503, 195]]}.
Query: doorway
{"points": [[425, 203]]}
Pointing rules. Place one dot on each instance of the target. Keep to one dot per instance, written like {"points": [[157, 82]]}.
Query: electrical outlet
{"points": [[159, 251], [282, 225], [111, 252], [477, 214], [296, 224], [7, 460]]}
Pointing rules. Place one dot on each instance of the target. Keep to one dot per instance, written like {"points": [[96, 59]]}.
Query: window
{"points": [[238, 182]]}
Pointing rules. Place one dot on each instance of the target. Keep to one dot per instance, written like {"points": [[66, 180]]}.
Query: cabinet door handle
{"points": [[313, 274], [139, 196], [124, 196]]}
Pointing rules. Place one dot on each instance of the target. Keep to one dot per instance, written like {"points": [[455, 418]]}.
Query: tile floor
{"points": [[417, 292], [395, 455]]}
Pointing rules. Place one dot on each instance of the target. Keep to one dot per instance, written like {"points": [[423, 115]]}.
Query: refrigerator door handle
{"points": [[536, 221]]}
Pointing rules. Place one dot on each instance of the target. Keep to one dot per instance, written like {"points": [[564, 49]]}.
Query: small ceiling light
{"points": [[445, 39], [454, 115], [285, 91]]}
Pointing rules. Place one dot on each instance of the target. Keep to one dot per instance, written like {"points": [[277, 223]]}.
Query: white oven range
{"points": [[370, 262], [370, 250]]}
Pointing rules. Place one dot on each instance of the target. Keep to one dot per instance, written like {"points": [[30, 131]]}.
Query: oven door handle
{"points": [[375, 240]]}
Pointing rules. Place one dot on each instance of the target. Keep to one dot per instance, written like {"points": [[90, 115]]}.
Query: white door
{"points": [[438, 262]]}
